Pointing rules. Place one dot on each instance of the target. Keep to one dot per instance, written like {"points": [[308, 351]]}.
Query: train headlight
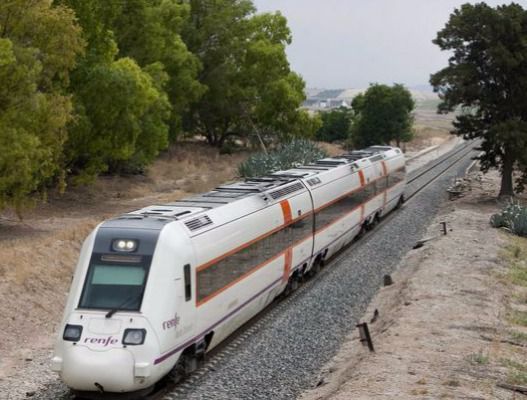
{"points": [[134, 337], [72, 333], [124, 245]]}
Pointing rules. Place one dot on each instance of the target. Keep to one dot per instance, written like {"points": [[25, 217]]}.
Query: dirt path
{"points": [[444, 329]]}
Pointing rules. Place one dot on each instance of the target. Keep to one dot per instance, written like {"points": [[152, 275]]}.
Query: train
{"points": [[157, 288]]}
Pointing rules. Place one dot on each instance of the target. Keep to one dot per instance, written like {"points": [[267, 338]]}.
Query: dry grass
{"points": [[515, 255], [36, 272], [520, 337], [430, 128], [419, 392], [188, 168], [39, 255], [426, 136], [478, 358], [517, 371], [332, 149]]}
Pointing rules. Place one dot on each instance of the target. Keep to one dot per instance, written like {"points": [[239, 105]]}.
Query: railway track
{"points": [[428, 172], [417, 181]]}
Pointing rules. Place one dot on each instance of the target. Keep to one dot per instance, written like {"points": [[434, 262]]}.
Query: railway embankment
{"points": [[453, 325]]}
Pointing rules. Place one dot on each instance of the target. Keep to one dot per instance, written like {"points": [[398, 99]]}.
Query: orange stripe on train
{"points": [[286, 211], [287, 264], [384, 168], [361, 177]]}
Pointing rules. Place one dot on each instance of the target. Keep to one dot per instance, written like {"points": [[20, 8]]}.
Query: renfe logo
{"points": [[171, 323], [102, 341]]}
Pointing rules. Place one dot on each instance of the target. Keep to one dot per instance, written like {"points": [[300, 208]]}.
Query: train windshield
{"points": [[114, 286]]}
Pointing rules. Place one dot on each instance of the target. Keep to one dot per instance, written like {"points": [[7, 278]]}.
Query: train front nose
{"points": [[111, 370], [103, 354]]}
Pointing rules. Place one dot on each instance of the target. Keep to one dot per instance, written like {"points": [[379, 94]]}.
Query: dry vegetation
{"points": [[431, 128], [454, 324]]}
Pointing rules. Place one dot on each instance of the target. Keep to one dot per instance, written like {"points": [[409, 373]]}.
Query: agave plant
{"points": [[513, 217], [288, 155]]}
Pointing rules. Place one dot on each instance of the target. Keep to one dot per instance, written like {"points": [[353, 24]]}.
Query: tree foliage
{"points": [[38, 48], [486, 77], [382, 114], [149, 32], [122, 110], [90, 86], [336, 125], [121, 118], [251, 90]]}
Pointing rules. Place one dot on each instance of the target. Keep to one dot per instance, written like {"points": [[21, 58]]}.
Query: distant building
{"points": [[329, 99], [337, 103], [325, 104]]}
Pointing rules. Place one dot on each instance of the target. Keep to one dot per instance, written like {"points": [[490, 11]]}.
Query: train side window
{"points": [[188, 282], [298, 224], [396, 176], [372, 189], [301, 228], [382, 184]]}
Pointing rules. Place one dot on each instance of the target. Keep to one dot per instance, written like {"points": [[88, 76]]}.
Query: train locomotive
{"points": [[157, 288]]}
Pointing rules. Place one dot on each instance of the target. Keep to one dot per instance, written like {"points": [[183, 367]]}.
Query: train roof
{"points": [[253, 193]]}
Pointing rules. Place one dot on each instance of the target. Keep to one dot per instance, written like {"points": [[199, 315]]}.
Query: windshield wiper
{"points": [[115, 309]]}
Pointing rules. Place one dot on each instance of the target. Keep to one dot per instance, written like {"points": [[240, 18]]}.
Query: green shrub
{"points": [[291, 154], [513, 217], [336, 125]]}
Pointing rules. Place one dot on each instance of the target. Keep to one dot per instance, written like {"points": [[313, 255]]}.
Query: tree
{"points": [[149, 32], [39, 44], [336, 125], [122, 110], [382, 114], [251, 90], [486, 78], [120, 120]]}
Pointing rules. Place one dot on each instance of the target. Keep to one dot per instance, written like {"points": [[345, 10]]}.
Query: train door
{"points": [[186, 302], [181, 324]]}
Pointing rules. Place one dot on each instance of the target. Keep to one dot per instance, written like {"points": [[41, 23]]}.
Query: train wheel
{"points": [[188, 362], [289, 288], [371, 224], [178, 373], [292, 284], [315, 269], [360, 233]]}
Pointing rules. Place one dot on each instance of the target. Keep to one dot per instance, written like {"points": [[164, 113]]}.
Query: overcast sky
{"points": [[351, 43]]}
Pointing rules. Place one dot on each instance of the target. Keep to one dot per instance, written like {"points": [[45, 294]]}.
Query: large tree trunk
{"points": [[212, 138], [506, 176], [262, 144]]}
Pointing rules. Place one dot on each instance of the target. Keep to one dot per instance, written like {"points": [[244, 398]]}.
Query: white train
{"points": [[157, 288]]}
